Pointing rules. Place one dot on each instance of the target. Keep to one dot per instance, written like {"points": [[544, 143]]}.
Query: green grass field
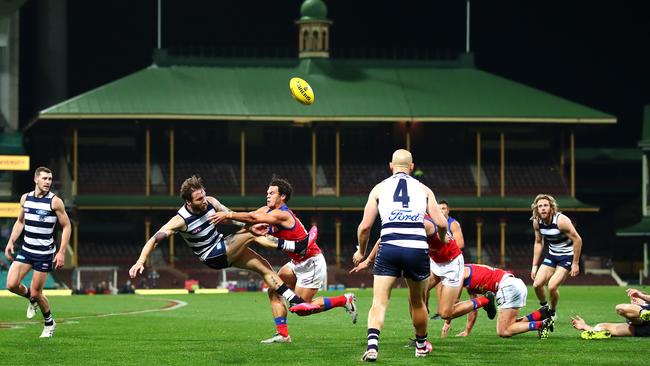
{"points": [[227, 329]]}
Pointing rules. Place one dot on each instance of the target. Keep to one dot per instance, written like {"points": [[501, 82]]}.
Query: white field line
{"points": [[175, 304]]}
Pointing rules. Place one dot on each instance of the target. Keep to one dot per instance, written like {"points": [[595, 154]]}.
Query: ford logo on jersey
{"points": [[405, 215], [42, 212]]}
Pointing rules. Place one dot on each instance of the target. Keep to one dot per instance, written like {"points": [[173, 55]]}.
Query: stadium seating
{"points": [[221, 178]]}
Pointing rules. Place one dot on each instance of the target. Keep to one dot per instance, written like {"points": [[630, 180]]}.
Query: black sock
{"points": [[543, 303], [288, 294], [47, 316], [373, 339], [421, 341]]}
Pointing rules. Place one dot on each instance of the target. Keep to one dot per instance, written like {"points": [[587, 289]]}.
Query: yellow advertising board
{"points": [[14, 162], [8, 209]]}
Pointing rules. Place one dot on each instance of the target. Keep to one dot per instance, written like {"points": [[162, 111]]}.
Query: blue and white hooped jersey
{"points": [[40, 221], [402, 205], [200, 235], [559, 243]]}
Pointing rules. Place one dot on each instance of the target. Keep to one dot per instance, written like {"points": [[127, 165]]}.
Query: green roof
{"points": [[322, 203], [346, 90], [313, 9], [640, 229]]}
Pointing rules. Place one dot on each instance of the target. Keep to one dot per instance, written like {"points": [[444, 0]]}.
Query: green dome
{"points": [[313, 9]]}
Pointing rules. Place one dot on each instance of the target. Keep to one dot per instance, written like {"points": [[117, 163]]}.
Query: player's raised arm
{"points": [[175, 224], [260, 215], [370, 212], [538, 247]]}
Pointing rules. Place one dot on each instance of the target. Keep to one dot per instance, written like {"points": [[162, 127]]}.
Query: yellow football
{"points": [[301, 91]]}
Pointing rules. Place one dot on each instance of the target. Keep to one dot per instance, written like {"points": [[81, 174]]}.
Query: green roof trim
{"points": [[11, 143], [616, 155], [645, 133], [346, 90], [640, 229], [322, 203]]}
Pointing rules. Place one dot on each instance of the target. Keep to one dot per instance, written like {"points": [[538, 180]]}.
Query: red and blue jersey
{"points": [[439, 251], [484, 278], [295, 233]]}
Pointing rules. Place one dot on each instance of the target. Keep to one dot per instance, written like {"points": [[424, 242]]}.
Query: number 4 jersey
{"points": [[402, 203]]}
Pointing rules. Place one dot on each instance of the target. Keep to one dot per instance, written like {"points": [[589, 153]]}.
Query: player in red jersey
{"points": [[447, 266], [511, 294], [306, 272]]}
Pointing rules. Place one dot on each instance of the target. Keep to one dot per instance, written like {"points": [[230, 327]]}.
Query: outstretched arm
{"points": [[370, 213], [172, 226], [371, 258]]}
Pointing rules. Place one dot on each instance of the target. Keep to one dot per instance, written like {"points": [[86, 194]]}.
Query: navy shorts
{"points": [[563, 261], [396, 261], [39, 262], [642, 330], [218, 259]]}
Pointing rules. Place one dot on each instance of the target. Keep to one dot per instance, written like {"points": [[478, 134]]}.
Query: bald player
{"points": [[402, 202]]}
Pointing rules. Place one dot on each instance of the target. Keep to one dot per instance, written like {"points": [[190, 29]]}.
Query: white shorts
{"points": [[310, 273], [512, 293], [451, 273]]}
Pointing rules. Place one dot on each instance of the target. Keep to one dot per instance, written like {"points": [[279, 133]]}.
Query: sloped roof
{"points": [[345, 90], [641, 229]]}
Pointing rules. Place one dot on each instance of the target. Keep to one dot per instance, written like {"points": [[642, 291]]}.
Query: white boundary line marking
{"points": [[177, 304]]}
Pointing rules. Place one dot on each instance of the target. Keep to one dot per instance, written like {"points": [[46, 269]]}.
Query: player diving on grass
{"points": [[215, 249], [636, 314], [511, 294], [306, 272]]}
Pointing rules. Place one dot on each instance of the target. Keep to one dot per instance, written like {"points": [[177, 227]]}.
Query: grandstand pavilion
{"points": [[484, 143]]}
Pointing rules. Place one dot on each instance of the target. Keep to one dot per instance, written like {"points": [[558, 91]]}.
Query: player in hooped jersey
{"points": [[214, 249], [401, 201], [564, 249], [41, 210], [511, 294], [306, 272], [447, 269]]}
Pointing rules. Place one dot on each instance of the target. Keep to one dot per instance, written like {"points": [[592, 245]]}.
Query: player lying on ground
{"points": [[511, 294], [636, 314]]}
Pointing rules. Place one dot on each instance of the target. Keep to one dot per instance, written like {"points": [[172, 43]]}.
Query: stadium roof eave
{"points": [[320, 203], [457, 119], [349, 91], [640, 229]]}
